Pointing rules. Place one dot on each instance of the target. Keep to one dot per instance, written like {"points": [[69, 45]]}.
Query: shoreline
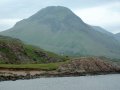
{"points": [[79, 67], [13, 75]]}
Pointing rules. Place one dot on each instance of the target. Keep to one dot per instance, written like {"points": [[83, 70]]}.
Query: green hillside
{"points": [[13, 51], [59, 30]]}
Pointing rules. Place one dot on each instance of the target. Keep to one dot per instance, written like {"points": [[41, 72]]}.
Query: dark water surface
{"points": [[100, 82]]}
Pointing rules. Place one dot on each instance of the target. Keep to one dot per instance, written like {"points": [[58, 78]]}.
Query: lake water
{"points": [[100, 82]]}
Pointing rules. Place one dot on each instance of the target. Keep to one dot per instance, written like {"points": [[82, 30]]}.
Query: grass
{"points": [[46, 67], [30, 52], [25, 51]]}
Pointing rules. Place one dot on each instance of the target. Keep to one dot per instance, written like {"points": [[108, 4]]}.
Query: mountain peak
{"points": [[53, 12], [56, 8]]}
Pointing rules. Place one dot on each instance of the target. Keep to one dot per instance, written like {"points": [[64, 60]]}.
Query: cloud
{"points": [[105, 15]]}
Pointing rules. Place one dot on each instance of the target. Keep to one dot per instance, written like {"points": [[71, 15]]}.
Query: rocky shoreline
{"points": [[43, 74], [78, 67]]}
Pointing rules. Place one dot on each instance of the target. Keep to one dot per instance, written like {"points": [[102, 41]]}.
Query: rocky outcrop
{"points": [[88, 65]]}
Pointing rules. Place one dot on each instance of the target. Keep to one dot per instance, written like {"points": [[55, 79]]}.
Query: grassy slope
{"points": [[30, 52], [8, 43], [14, 51]]}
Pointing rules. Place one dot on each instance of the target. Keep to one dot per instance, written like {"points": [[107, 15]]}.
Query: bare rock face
{"points": [[88, 65]]}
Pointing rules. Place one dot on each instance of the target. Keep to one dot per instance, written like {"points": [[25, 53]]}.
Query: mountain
{"points": [[58, 29], [13, 51]]}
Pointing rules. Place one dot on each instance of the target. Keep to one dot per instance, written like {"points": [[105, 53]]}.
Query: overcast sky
{"points": [[104, 13]]}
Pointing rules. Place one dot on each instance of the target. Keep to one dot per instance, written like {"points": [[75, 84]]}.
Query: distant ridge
{"points": [[117, 36]]}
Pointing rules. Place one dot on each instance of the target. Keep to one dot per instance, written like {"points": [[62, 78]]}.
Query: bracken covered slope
{"points": [[13, 51]]}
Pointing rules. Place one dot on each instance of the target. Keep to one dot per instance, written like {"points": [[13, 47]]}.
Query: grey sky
{"points": [[104, 13]]}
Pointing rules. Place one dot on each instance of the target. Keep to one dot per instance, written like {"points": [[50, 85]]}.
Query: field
{"points": [[46, 67]]}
